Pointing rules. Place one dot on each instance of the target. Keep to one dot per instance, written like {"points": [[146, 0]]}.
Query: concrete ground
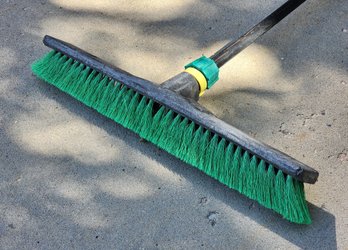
{"points": [[71, 178]]}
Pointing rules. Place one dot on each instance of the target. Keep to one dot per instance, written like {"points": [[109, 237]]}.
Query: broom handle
{"points": [[234, 47]]}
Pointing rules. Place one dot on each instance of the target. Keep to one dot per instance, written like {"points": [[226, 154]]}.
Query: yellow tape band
{"points": [[200, 78]]}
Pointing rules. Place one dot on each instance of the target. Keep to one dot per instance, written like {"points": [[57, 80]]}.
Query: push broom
{"points": [[169, 116]]}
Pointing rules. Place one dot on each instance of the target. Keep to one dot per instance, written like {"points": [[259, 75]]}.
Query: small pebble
{"points": [[143, 140], [203, 200], [212, 217], [342, 156], [345, 30]]}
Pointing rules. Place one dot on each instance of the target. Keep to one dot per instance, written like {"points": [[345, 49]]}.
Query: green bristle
{"points": [[99, 92], [113, 97], [161, 132], [186, 142], [204, 151], [159, 118], [146, 120], [113, 108], [107, 97], [129, 123], [177, 150], [235, 168], [92, 87], [80, 83], [138, 116], [210, 158], [67, 64], [51, 70], [299, 195], [70, 74], [243, 173], [279, 198], [123, 107], [226, 176], [269, 189], [81, 91], [218, 160], [252, 177], [223, 160], [260, 181], [194, 149], [291, 207], [169, 140]]}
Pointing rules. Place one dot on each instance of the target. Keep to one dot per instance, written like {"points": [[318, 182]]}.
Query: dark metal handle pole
{"points": [[234, 47]]}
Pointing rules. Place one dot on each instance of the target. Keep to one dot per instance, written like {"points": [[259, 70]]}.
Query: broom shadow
{"points": [[303, 236]]}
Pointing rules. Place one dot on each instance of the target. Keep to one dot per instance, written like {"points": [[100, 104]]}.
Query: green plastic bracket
{"points": [[207, 67]]}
